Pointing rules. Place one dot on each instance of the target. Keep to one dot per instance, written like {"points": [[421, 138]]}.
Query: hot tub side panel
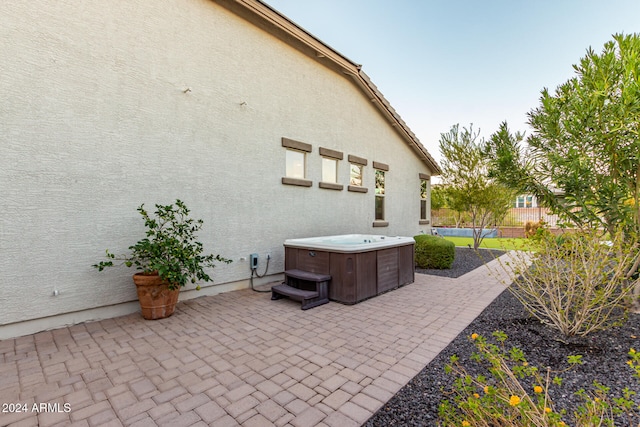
{"points": [[309, 260], [395, 267], [343, 278], [387, 269], [353, 277], [367, 283], [406, 264]]}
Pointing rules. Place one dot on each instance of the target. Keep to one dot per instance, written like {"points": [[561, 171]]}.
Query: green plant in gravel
{"points": [[514, 393], [434, 252], [600, 409], [576, 283], [170, 247]]}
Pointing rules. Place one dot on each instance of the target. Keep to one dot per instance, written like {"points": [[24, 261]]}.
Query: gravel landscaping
{"points": [[604, 356]]}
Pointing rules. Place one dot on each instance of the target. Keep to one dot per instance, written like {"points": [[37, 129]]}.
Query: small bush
{"points": [[434, 252]]}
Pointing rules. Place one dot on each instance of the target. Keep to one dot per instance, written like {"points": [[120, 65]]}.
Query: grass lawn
{"points": [[490, 243]]}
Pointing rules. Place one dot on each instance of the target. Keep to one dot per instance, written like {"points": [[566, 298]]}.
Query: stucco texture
{"points": [[107, 105]]}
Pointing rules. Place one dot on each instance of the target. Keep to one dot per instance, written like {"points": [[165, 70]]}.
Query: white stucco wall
{"points": [[107, 105]]}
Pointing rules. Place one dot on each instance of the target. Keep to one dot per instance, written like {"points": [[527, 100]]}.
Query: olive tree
{"points": [[585, 142]]}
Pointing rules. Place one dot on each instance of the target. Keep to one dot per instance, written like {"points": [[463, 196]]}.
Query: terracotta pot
{"points": [[157, 301]]}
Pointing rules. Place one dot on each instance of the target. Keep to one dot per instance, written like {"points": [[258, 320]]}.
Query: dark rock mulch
{"points": [[604, 357]]}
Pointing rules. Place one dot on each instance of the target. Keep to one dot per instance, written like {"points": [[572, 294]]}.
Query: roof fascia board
{"points": [[291, 28]]}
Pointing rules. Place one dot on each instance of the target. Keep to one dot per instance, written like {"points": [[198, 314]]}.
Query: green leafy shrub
{"points": [[434, 252]]}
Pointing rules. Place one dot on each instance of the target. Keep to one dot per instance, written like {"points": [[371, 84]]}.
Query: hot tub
{"points": [[361, 265]]}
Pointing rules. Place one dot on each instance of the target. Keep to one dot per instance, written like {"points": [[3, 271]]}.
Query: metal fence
{"points": [[517, 217]]}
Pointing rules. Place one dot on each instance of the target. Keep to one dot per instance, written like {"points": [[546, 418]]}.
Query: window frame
{"points": [[380, 193], [360, 163], [336, 156], [425, 198], [296, 146], [288, 171], [329, 167], [359, 174]]}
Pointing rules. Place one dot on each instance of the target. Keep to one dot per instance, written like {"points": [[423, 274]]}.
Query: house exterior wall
{"points": [[107, 105]]}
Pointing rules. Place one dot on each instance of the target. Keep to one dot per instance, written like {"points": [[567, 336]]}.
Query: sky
{"points": [[480, 62]]}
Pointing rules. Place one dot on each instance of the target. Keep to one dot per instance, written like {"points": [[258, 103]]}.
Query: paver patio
{"points": [[239, 359]]}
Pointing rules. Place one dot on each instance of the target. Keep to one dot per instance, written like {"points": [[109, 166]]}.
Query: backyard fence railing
{"points": [[517, 217]]}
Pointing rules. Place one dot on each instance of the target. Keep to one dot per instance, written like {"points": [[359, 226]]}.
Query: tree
{"points": [[468, 186], [438, 197], [585, 142], [441, 198]]}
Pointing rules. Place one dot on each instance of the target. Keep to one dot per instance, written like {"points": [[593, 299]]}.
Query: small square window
{"points": [[329, 170], [355, 175], [295, 164]]}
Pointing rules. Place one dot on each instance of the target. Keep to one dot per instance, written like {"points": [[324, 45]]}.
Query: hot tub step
{"points": [[293, 293], [309, 299], [308, 276]]}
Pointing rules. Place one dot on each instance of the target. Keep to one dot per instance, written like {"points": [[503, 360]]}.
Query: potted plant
{"points": [[169, 257]]}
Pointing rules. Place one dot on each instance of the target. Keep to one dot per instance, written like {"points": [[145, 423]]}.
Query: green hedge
{"points": [[434, 252]]}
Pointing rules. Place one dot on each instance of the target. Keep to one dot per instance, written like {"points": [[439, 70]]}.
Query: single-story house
{"points": [[264, 131]]}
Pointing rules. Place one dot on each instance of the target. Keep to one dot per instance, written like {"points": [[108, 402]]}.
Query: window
{"points": [[425, 194], [295, 164], [423, 199], [329, 170], [379, 195], [330, 160], [355, 177], [356, 174], [524, 202]]}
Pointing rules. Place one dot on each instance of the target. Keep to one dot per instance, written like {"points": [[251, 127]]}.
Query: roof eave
{"points": [[284, 28], [376, 97]]}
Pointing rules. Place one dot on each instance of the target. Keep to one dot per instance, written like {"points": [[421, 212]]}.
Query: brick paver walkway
{"points": [[238, 359]]}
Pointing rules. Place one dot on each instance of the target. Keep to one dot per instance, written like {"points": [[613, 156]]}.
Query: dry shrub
{"points": [[576, 283], [531, 228]]}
